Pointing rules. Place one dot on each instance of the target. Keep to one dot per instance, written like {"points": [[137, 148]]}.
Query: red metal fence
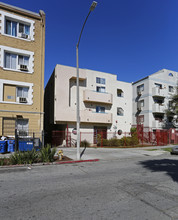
{"points": [[143, 137]]}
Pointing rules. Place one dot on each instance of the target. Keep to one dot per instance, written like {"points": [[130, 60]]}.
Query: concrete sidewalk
{"points": [[108, 153], [113, 153]]}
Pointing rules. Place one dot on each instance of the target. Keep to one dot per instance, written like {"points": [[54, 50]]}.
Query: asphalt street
{"points": [[139, 188]]}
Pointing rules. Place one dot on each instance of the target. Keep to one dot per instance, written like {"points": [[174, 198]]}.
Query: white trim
{"points": [[17, 19], [17, 83], [18, 52]]}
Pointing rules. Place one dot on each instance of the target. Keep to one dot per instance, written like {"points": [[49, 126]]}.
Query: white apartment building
{"points": [[105, 103], [151, 97]]}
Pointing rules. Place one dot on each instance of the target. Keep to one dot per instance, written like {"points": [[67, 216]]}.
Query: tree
{"points": [[172, 111]]}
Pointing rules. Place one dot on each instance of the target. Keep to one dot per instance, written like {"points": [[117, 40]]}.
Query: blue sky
{"points": [[129, 38]]}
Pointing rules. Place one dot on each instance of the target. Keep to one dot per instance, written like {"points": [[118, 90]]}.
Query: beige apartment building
{"points": [[105, 104], [22, 48]]}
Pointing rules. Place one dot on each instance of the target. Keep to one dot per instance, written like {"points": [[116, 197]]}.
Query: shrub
{"points": [[28, 157], [114, 142], [105, 142], [4, 161], [133, 130], [84, 143], [47, 154], [16, 158]]}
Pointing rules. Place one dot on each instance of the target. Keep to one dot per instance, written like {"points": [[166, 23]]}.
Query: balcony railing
{"points": [[158, 108], [86, 116], [100, 97], [158, 92], [95, 117]]}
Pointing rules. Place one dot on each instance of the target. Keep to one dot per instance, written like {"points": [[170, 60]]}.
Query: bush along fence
{"points": [[135, 137], [22, 141]]}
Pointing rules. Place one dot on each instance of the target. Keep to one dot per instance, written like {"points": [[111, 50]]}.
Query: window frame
{"points": [[19, 20], [100, 109], [121, 111], [100, 80], [25, 131], [101, 87], [16, 84], [18, 52], [171, 89], [121, 93]]}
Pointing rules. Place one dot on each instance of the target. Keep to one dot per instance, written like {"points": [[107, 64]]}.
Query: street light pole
{"points": [[93, 6]]}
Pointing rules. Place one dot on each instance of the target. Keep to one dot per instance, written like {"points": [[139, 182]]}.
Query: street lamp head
{"points": [[93, 6]]}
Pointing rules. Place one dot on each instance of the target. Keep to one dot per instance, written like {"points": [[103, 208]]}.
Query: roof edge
{"points": [[21, 10]]}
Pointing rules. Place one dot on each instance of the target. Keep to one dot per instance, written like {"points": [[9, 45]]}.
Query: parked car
{"points": [[174, 150]]}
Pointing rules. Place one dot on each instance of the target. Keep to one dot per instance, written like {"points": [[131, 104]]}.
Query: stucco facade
{"points": [[151, 96], [22, 48], [105, 102]]}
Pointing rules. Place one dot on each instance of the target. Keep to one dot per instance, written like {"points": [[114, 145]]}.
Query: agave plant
{"points": [[47, 154]]}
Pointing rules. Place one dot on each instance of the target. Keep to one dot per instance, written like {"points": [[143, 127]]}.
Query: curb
{"points": [[53, 163], [77, 161]]}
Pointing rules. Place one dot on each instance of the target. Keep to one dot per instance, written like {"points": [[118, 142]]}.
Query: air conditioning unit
{"points": [[24, 35], [23, 67], [22, 100]]}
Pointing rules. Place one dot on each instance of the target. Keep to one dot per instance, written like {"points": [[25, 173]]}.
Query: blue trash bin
{"points": [[10, 145], [3, 147], [25, 145]]}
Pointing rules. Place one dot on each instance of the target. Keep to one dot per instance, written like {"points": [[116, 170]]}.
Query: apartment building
{"points": [[22, 45], [105, 103], [151, 97]]}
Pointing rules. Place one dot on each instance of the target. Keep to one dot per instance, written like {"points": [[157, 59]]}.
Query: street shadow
{"points": [[163, 165]]}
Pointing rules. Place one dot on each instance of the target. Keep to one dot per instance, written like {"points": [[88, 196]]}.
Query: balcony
{"points": [[158, 92], [99, 97], [157, 108], [157, 124], [86, 116], [93, 117]]}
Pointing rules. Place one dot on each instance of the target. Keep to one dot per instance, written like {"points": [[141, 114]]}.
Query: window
{"points": [[140, 89], [100, 89], [23, 60], [100, 80], [140, 105], [170, 74], [16, 62], [158, 85], [11, 28], [17, 29], [24, 29], [120, 93], [120, 111], [16, 26], [171, 89], [22, 92], [100, 109], [16, 92], [22, 126], [10, 61]]}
